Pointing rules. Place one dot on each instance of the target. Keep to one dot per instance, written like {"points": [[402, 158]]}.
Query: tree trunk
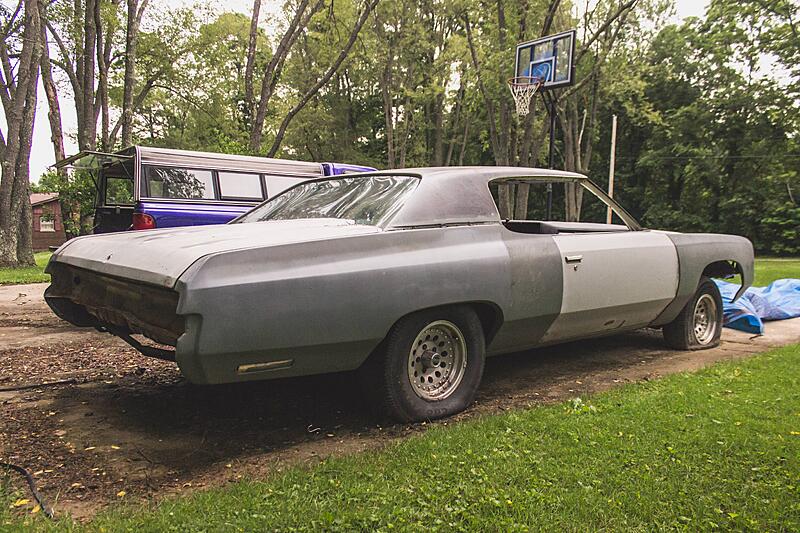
{"points": [[488, 103], [521, 202], [87, 60], [388, 111], [454, 122], [102, 104], [505, 131], [499, 142], [438, 129], [135, 12], [387, 90], [53, 105], [22, 190], [19, 105], [408, 117], [250, 65], [87, 131], [463, 144]]}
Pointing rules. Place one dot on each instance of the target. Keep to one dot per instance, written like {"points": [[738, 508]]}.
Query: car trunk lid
{"points": [[159, 257]]}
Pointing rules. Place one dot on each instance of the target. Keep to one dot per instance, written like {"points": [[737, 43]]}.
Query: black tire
{"points": [[386, 378], [682, 334]]}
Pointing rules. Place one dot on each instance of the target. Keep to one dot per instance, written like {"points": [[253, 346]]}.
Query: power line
{"points": [[777, 158]]}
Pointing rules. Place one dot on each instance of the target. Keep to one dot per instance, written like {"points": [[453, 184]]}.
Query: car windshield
{"points": [[371, 200]]}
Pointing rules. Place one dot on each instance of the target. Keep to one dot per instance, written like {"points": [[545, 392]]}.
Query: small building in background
{"points": [[48, 227]]}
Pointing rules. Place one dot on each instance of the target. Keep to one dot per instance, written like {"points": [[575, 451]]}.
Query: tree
{"points": [[707, 144], [578, 105], [324, 79], [272, 70], [94, 53], [20, 53], [74, 30]]}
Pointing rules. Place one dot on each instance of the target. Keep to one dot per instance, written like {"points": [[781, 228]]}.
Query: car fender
{"points": [[696, 251]]}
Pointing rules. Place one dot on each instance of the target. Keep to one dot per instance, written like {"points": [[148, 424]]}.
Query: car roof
{"points": [[488, 173], [458, 195]]}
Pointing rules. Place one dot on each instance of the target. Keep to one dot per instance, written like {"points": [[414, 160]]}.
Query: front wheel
{"points": [[699, 324], [429, 366]]}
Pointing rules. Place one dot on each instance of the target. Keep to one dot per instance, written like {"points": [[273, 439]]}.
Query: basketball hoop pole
{"points": [[551, 156]]}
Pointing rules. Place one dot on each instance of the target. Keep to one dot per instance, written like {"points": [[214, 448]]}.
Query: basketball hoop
{"points": [[522, 89]]}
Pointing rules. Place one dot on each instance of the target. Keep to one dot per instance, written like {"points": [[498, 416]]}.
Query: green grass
{"points": [[716, 449], [768, 270], [33, 274]]}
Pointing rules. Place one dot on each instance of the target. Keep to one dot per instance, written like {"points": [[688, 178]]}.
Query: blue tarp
{"points": [[777, 301]]}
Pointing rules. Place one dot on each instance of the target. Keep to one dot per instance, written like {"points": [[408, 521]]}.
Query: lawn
{"points": [[34, 274], [715, 449], [769, 269]]}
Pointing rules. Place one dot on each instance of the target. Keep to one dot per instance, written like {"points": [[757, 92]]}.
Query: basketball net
{"points": [[522, 89]]}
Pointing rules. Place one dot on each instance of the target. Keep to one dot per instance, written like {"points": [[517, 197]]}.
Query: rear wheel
{"points": [[699, 324], [429, 366]]}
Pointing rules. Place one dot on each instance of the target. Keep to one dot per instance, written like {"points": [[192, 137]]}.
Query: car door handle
{"points": [[573, 259]]}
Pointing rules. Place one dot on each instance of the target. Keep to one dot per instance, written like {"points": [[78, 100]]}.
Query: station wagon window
{"points": [[117, 182], [180, 183], [371, 200], [278, 184], [240, 185], [119, 191]]}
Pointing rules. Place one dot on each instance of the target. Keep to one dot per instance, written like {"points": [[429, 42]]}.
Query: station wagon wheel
{"points": [[429, 366], [699, 324]]}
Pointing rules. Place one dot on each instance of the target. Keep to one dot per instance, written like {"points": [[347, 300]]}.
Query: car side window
{"points": [[180, 183], [574, 209]]}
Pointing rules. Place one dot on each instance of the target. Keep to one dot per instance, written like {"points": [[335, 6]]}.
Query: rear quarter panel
{"points": [[328, 304]]}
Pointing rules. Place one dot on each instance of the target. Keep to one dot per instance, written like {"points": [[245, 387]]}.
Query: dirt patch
{"points": [[121, 422]]}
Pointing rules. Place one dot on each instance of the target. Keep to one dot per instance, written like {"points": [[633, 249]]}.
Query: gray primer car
{"points": [[410, 276]]}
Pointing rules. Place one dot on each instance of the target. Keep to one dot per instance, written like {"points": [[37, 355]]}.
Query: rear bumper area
{"points": [[123, 307]]}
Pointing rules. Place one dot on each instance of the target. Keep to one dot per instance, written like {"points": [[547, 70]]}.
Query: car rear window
{"points": [[371, 200], [180, 183]]}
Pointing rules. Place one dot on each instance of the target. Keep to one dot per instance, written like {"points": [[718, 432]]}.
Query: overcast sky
{"points": [[42, 153]]}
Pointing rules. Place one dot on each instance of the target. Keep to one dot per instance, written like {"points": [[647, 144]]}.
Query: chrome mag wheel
{"points": [[705, 319], [437, 360]]}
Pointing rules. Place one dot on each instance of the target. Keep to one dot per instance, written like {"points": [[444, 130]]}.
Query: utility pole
{"points": [[612, 164]]}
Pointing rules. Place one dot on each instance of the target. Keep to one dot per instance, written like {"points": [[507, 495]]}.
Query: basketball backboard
{"points": [[550, 58]]}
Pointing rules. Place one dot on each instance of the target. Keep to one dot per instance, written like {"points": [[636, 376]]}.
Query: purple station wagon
{"points": [[146, 188]]}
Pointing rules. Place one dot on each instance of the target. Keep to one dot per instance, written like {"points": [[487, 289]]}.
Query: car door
{"points": [[613, 281]]}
